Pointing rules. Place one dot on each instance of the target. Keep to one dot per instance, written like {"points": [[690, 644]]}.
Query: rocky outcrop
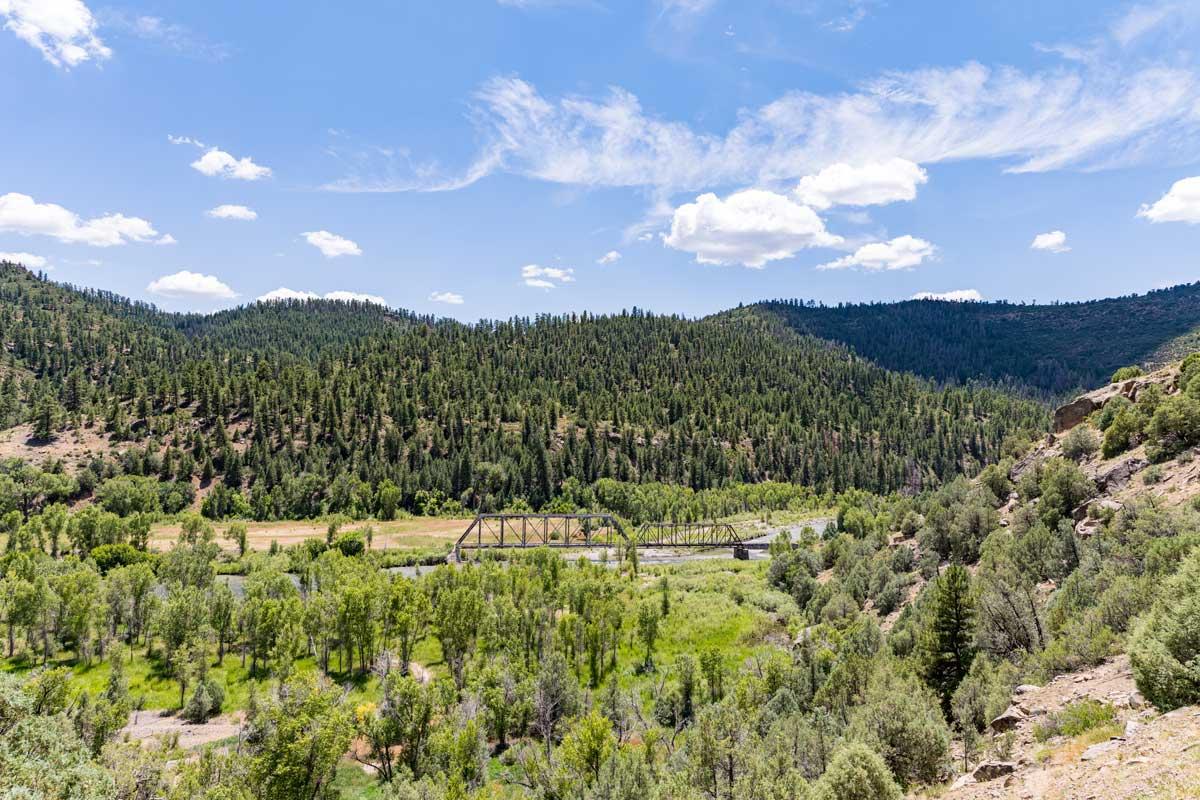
{"points": [[1076, 411], [1117, 476], [1073, 413], [990, 770]]}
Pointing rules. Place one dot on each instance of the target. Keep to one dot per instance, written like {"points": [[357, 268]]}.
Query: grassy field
{"points": [[401, 534]]}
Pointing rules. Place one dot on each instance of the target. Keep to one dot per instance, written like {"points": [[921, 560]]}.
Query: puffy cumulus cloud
{"points": [[217, 163], [903, 252], [20, 213], [539, 277], [355, 297], [229, 211], [1180, 204], [871, 184], [284, 293], [750, 227], [611, 257], [450, 298], [331, 245], [27, 260], [166, 238], [64, 31], [1053, 242], [955, 295], [191, 285]]}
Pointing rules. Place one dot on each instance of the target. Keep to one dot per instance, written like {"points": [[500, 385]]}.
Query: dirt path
{"points": [[149, 725]]}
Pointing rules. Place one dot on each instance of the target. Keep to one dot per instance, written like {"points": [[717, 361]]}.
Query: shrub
{"points": [[111, 556], [351, 544], [1165, 645], [1125, 373], [1080, 442], [1078, 717], [856, 773], [983, 694], [1115, 405], [901, 721], [1123, 431], [1175, 425], [205, 702]]}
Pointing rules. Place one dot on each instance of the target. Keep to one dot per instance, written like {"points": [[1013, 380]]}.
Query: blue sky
{"points": [[488, 159]]}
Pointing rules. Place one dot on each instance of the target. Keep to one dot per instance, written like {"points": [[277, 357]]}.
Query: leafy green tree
{"points": [[856, 773], [647, 627], [1165, 646], [947, 645], [296, 739]]}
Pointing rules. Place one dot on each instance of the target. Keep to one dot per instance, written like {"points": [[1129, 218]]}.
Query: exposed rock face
{"points": [[1118, 476], [1086, 528], [1073, 413], [990, 770], [1077, 410]]}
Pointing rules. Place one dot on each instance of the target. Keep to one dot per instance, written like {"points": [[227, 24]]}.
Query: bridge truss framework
{"points": [[514, 531]]}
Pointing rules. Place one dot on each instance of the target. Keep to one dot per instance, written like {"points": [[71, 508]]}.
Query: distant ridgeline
{"points": [[300, 408], [1052, 349]]}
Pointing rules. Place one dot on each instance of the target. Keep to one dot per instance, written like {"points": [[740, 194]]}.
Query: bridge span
{"points": [[515, 531]]}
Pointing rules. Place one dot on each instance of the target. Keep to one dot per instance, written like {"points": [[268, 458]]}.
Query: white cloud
{"points": [[871, 184], [229, 211], [284, 293], [1054, 242], [167, 35], [185, 284], [331, 245], [611, 257], [216, 162], [1091, 114], [166, 238], [20, 213], [28, 260], [750, 227], [451, 298], [539, 277], [184, 140], [355, 297], [1180, 204], [903, 252], [63, 30], [955, 295]]}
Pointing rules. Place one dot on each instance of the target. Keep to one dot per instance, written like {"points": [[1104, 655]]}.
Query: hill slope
{"points": [[306, 408], [1052, 349]]}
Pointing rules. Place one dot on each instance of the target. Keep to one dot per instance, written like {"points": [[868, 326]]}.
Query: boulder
{"points": [[1073, 413], [990, 770], [1086, 528], [1026, 688], [1011, 718], [1098, 750], [1119, 474]]}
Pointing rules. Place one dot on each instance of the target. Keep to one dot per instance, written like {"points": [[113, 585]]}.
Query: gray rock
{"points": [[1098, 750], [990, 770], [1073, 413], [1011, 718], [1120, 474]]}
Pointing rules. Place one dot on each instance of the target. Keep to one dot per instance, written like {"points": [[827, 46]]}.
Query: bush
{"points": [[1174, 426], [1165, 645], [1080, 442], [351, 544], [1125, 373], [1078, 717], [205, 702], [111, 556], [900, 719], [1123, 431], [856, 773]]}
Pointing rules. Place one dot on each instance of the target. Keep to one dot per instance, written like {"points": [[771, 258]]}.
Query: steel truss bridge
{"points": [[514, 531]]}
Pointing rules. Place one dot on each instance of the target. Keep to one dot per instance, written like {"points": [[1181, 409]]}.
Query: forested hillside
{"points": [[1051, 349], [298, 409]]}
